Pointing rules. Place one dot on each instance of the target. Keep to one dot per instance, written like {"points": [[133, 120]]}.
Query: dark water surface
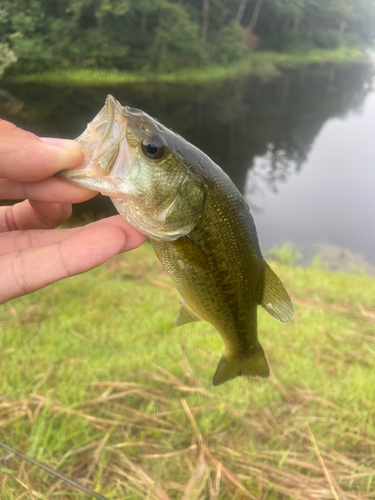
{"points": [[301, 147]]}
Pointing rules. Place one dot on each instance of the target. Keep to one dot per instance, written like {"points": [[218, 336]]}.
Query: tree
{"points": [[176, 36], [205, 19], [241, 10], [163, 35], [7, 56]]}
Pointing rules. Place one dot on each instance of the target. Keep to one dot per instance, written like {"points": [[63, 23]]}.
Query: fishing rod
{"points": [[51, 471]]}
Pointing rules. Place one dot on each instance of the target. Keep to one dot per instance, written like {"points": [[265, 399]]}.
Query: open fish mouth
{"points": [[131, 157], [107, 153]]}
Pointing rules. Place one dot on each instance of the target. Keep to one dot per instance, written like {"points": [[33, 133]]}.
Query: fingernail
{"points": [[60, 143]]}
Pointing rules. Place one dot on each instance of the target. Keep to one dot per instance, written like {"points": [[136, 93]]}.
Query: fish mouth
{"points": [[107, 155]]}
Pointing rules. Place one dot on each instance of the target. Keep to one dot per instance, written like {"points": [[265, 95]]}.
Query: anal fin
{"points": [[275, 299], [186, 315]]}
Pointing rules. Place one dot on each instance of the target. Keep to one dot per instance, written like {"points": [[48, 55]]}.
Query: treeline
{"points": [[163, 35]]}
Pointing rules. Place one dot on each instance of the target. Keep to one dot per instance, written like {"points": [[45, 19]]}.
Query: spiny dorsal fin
{"points": [[275, 300], [185, 315], [231, 367]]}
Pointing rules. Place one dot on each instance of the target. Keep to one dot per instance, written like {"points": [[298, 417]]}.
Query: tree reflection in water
{"points": [[234, 122]]}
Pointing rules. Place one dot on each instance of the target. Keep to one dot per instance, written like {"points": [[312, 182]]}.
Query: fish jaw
{"points": [[108, 157]]}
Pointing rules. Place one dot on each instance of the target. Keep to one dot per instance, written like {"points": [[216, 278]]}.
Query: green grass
{"points": [[97, 383], [263, 64]]}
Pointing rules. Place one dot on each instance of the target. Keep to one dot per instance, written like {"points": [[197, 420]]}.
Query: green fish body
{"points": [[199, 225]]}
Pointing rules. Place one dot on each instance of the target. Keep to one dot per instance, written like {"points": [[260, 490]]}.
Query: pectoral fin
{"points": [[275, 300], [186, 210], [231, 367], [186, 315], [190, 251]]}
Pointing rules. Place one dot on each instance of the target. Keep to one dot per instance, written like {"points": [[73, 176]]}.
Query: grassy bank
{"points": [[263, 64], [96, 382]]}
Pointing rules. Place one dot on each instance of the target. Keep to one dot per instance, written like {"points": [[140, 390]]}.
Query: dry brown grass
{"points": [[212, 469]]}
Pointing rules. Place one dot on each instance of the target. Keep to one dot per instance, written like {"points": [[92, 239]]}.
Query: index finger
{"points": [[33, 268], [26, 158]]}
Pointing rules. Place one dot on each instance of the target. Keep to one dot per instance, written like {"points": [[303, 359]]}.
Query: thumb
{"points": [[26, 158]]}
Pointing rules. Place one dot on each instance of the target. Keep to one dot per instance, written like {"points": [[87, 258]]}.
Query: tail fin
{"points": [[231, 367]]}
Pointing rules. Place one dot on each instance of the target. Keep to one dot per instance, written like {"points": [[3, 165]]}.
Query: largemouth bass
{"points": [[198, 223]]}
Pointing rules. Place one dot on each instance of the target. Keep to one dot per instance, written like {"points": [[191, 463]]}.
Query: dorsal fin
{"points": [[185, 315], [275, 300]]}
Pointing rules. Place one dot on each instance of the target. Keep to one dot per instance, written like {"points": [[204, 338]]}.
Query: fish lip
{"points": [[110, 105], [107, 155], [132, 111]]}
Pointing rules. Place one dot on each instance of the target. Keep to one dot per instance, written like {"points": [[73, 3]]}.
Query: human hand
{"points": [[32, 253]]}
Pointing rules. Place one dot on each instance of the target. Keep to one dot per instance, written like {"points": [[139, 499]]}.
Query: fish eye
{"points": [[152, 148]]}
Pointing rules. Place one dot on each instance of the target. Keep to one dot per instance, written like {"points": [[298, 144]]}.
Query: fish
{"points": [[199, 224]]}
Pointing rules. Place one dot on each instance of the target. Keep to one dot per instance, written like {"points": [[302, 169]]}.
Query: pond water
{"points": [[300, 147]]}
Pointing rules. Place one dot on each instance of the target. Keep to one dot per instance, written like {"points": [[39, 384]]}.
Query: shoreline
{"points": [[261, 64]]}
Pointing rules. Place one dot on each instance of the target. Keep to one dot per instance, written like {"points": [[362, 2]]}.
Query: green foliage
{"points": [[229, 45], [288, 24], [263, 64], [7, 57], [168, 35], [176, 42]]}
